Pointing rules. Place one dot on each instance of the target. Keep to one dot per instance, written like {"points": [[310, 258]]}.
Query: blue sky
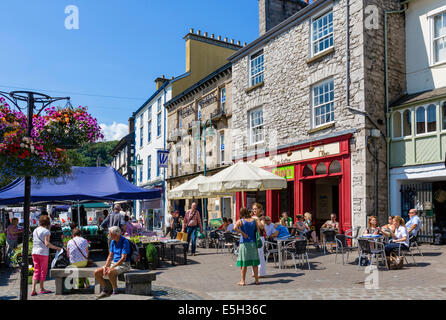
{"points": [[120, 48]]}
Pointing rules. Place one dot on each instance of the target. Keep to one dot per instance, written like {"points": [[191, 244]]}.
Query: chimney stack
{"points": [[131, 124], [160, 81], [273, 12]]}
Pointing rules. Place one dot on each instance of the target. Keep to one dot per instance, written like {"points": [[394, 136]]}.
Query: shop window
{"points": [[321, 168], [443, 113], [421, 118], [397, 124], [308, 171], [335, 167], [407, 123], [431, 118]]}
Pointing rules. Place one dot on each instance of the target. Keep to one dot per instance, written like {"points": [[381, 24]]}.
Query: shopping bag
{"points": [[61, 260], [182, 236]]}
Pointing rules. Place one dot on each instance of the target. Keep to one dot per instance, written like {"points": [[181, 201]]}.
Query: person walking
{"points": [[169, 224], [191, 222], [12, 237], [40, 253], [248, 254], [257, 209]]}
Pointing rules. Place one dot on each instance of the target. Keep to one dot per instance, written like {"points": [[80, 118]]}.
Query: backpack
{"points": [[134, 253]]}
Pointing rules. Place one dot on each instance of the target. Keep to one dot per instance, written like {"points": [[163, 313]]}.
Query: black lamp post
{"points": [[34, 101]]}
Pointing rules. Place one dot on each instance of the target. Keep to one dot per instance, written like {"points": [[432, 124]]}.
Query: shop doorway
{"points": [[226, 207], [286, 203], [321, 197]]}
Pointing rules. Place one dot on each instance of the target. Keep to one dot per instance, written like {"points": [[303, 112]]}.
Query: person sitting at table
{"points": [[286, 220], [331, 224], [414, 224], [388, 228], [400, 237], [304, 230], [280, 233], [372, 226], [269, 227], [224, 225], [230, 227]]}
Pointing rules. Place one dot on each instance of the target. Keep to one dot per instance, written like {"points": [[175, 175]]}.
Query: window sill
{"points": [[321, 55], [258, 85], [323, 127], [437, 64]]}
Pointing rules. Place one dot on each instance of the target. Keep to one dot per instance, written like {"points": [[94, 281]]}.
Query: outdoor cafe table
{"points": [[280, 245]]}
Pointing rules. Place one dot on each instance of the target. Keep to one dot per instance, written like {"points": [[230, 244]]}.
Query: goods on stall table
{"points": [[2, 239], [65, 218]]}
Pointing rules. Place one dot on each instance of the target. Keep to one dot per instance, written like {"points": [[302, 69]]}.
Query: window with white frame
{"points": [[443, 114], [402, 123], [140, 173], [222, 98], [149, 168], [141, 136], [149, 130], [255, 126], [426, 119], [256, 68], [322, 33], [158, 105], [222, 148], [323, 103], [439, 38], [158, 124]]}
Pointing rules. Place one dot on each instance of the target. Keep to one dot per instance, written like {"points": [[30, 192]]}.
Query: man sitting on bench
{"points": [[120, 251]]}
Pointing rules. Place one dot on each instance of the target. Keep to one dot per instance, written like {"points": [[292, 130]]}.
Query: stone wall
{"points": [[286, 94]]}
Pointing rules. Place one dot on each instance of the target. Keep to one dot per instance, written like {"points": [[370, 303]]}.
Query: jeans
{"points": [[394, 246], [192, 235], [10, 246]]}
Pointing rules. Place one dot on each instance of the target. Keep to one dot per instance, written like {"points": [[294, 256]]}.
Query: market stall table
{"points": [[172, 244]]}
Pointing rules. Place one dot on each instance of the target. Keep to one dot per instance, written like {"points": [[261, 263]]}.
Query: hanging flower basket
{"points": [[44, 153]]}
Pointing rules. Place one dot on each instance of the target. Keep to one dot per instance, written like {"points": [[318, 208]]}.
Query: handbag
{"points": [[258, 240], [395, 261], [90, 262]]}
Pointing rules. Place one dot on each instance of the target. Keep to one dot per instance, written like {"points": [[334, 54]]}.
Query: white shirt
{"points": [[230, 227], [39, 246], [414, 220], [74, 251], [169, 219], [270, 229], [401, 232]]}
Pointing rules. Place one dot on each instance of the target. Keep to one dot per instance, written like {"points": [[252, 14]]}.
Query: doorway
{"points": [[226, 207], [286, 197]]}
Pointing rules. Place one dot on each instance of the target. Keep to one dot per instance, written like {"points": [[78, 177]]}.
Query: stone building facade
{"points": [[206, 104], [321, 104]]}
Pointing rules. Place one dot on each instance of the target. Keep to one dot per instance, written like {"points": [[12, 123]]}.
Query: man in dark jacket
{"points": [[114, 219]]}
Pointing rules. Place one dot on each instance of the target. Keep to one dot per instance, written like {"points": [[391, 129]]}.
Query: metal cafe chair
{"points": [[271, 248], [413, 242], [329, 237], [229, 241], [366, 250], [298, 248], [402, 252], [352, 234], [341, 245], [220, 241]]}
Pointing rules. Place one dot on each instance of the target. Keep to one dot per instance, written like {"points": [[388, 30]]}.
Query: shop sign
{"points": [[284, 172], [427, 205]]}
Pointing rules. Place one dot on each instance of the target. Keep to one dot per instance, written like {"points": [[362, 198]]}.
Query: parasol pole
{"points": [[243, 199]]}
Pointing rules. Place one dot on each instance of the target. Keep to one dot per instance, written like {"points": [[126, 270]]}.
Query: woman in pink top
{"points": [[12, 237]]}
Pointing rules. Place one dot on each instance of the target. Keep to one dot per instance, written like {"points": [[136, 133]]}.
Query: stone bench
{"points": [[137, 282]]}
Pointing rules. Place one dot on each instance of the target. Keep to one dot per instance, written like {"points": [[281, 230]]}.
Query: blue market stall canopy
{"points": [[89, 183]]}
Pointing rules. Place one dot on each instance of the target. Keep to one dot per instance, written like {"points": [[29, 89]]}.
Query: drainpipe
{"points": [[164, 169], [388, 138], [134, 173], [347, 45]]}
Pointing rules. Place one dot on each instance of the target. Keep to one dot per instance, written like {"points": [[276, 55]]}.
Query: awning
{"points": [[84, 183]]}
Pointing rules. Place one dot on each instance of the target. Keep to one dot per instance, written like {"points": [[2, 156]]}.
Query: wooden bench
{"points": [[137, 282]]}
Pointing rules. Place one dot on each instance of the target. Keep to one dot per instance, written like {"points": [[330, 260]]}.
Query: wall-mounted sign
{"points": [[284, 172]]}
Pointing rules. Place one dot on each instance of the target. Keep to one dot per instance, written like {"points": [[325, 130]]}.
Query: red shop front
{"points": [[319, 182]]}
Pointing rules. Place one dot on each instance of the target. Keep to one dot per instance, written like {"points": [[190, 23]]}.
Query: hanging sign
{"points": [[163, 156], [284, 172]]}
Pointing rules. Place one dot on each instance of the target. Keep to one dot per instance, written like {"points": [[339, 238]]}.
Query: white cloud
{"points": [[114, 131]]}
